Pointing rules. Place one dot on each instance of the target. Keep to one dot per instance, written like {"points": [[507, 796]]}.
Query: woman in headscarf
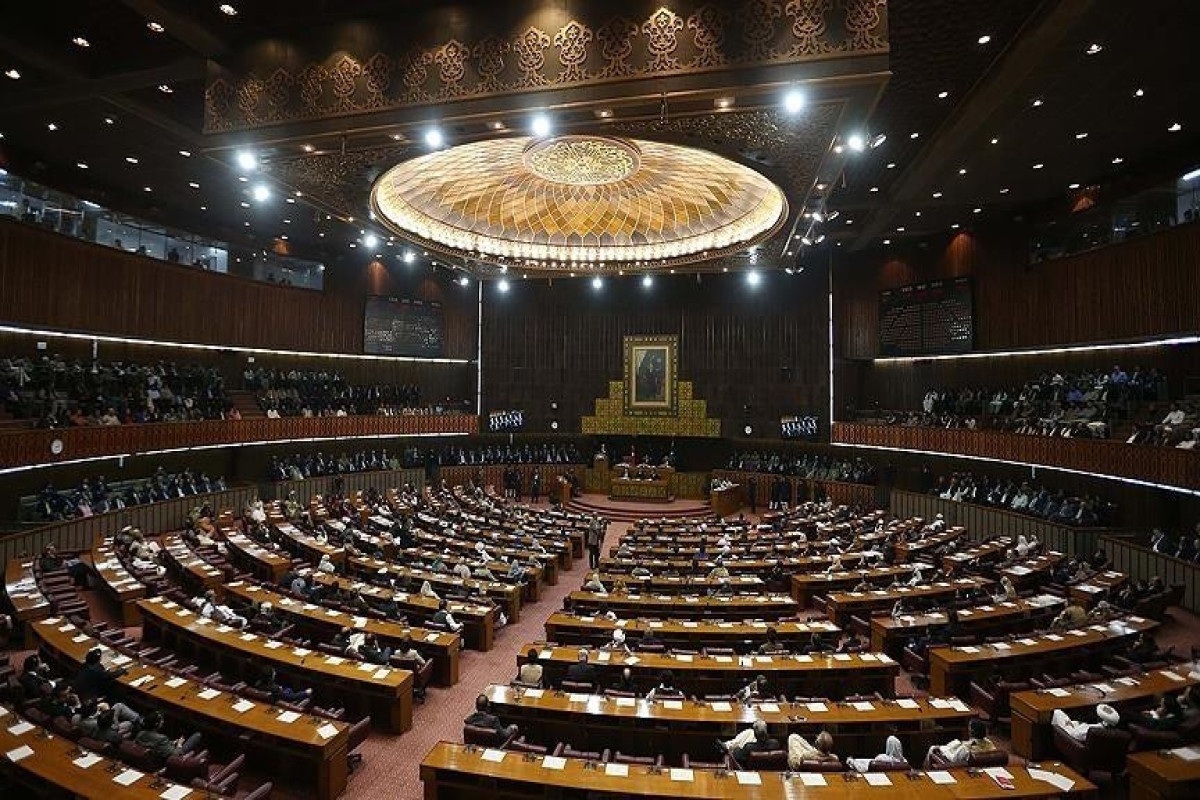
{"points": [[1007, 591], [326, 565], [1022, 546], [893, 754], [427, 590]]}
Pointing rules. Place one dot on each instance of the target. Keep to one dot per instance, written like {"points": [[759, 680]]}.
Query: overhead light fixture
{"points": [[804, 240], [820, 238], [185, 153], [962, 170], [793, 101], [1037, 102], [155, 27], [1038, 165], [647, 281], [602, 113], [433, 138], [262, 193], [464, 280], [1139, 92], [856, 142], [942, 95], [79, 41], [976, 210], [308, 148], [937, 195], [597, 283], [899, 229], [984, 39], [995, 140], [832, 215], [193, 184], [1118, 160], [290, 200], [954, 226], [1004, 190], [12, 73], [879, 139], [227, 10], [914, 135], [887, 241], [1191, 176], [1175, 128], [1073, 186], [723, 102], [752, 278], [1081, 135], [247, 160], [874, 189], [147, 189], [52, 126], [1094, 48], [540, 125], [371, 240], [244, 204], [131, 159], [165, 88], [109, 121], [502, 284], [81, 165], [409, 256]]}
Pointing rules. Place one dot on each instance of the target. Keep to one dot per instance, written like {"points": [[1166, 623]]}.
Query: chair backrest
{"points": [[484, 737], [625, 758], [261, 793], [833, 765], [887, 766], [577, 687], [988, 758], [522, 746], [1106, 748], [767, 760]]}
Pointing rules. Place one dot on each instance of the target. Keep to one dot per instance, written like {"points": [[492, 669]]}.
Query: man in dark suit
{"points": [[581, 671], [93, 678], [752, 495], [484, 718], [754, 740]]}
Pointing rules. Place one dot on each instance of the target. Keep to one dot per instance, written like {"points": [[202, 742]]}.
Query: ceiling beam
{"points": [[72, 90], [181, 27], [1037, 41]]}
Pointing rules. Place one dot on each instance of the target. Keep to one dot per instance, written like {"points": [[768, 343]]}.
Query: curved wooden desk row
{"points": [[36, 758], [982, 553], [383, 692], [635, 726], [889, 634], [737, 566], [808, 585], [833, 676], [674, 584], [194, 572], [452, 771], [20, 586], [316, 745], [840, 606], [1032, 710], [571, 629], [506, 595], [731, 606], [33, 446], [442, 647], [1158, 775], [121, 586], [951, 669]]}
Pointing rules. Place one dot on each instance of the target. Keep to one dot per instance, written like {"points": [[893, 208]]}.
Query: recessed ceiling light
{"points": [[1004, 190], [1037, 102], [147, 189], [227, 10], [287, 222], [131, 159], [52, 126], [79, 41], [962, 170], [954, 227], [942, 95], [155, 27], [193, 184], [995, 140], [433, 138], [1073, 186], [849, 222], [821, 187], [918, 213], [887, 241], [540, 125], [290, 200], [976, 210], [856, 142], [984, 39], [874, 189], [262, 193], [244, 204], [913, 135], [891, 165], [247, 224], [937, 194], [1038, 165], [1117, 160], [1175, 128], [308, 148], [793, 101], [397, 137], [1081, 135], [243, 179], [1093, 48], [899, 229], [1139, 92], [246, 160], [723, 102], [204, 208], [12, 73], [165, 88], [185, 153], [109, 121], [81, 165]]}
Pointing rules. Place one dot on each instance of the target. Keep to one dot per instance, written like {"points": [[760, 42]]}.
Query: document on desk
{"points": [[24, 751], [1060, 782], [909, 703], [128, 777], [812, 779], [554, 762], [817, 707], [288, 717], [626, 702], [721, 706], [175, 683], [327, 731], [862, 705], [1187, 753], [941, 777], [616, 770], [534, 693], [748, 778], [242, 706], [684, 775], [768, 708], [176, 793], [1055, 691], [21, 728], [87, 760], [673, 705], [877, 779], [493, 755], [208, 694]]}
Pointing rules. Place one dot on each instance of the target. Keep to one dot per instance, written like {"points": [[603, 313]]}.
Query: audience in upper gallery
{"points": [[61, 393], [318, 393], [509, 454], [1185, 546], [1070, 404], [805, 465], [1025, 498], [300, 466], [96, 496]]}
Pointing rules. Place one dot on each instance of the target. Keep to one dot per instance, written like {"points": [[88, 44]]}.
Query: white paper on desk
{"points": [[88, 760], [685, 658], [748, 778], [959, 705], [83, 637], [247, 637], [553, 762], [616, 770], [138, 682], [938, 702], [1002, 646], [626, 702], [288, 717], [632, 660], [1104, 688], [768, 708], [866, 656], [1187, 753], [877, 779], [603, 656], [120, 661], [547, 655], [223, 628], [380, 674], [242, 706], [175, 683], [862, 705], [941, 777], [1058, 692], [21, 727], [183, 612], [998, 772], [578, 698], [678, 774], [300, 651], [841, 656], [273, 644], [209, 694], [128, 777], [335, 660], [176, 793], [908, 702], [1060, 782], [805, 659], [1127, 681], [327, 731], [1027, 642], [1175, 676], [1054, 637], [721, 706], [673, 705], [970, 649], [812, 779], [723, 659], [817, 707], [66, 628]]}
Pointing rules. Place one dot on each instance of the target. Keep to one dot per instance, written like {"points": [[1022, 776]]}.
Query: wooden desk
{"points": [[648, 489], [197, 574], [726, 502], [730, 607], [803, 675], [1155, 775], [843, 605], [452, 771], [910, 551], [442, 647], [315, 745], [51, 764], [383, 692], [889, 634], [1033, 571], [951, 669], [506, 595], [250, 555], [1096, 588], [674, 584], [736, 566], [424, 556], [122, 587], [641, 727], [1032, 710], [305, 545], [567, 628], [807, 585], [990, 550], [25, 596]]}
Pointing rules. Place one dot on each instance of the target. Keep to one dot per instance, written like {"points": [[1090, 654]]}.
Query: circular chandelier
{"points": [[578, 202]]}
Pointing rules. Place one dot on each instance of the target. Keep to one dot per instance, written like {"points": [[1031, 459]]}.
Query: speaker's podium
{"points": [[643, 482]]}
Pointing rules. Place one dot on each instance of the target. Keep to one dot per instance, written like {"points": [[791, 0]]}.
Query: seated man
{"points": [[957, 753], [1108, 716], [444, 617], [94, 678], [407, 652], [1167, 716], [35, 678], [531, 670], [270, 684], [892, 755], [594, 585], [617, 642], [665, 687], [772, 644], [799, 750], [755, 689], [218, 612], [100, 722], [153, 739], [484, 718], [581, 671], [372, 652], [754, 739], [61, 702]]}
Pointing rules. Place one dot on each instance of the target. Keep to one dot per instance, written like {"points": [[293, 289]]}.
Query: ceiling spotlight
{"points": [[914, 135], [1073, 186], [820, 238], [984, 39], [244, 204], [899, 229], [247, 160], [887, 241], [262, 193], [879, 139], [1175, 128], [995, 140], [227, 10], [52, 127], [79, 41], [602, 113], [856, 142], [1037, 102], [371, 240], [793, 101], [433, 138], [463, 281], [540, 125], [81, 165], [1118, 160], [1094, 48], [308, 148], [976, 210], [936, 195], [193, 184], [1038, 165], [962, 170], [723, 102], [131, 159], [502, 285], [185, 153], [12, 73], [1081, 135], [147, 189], [165, 88], [954, 227], [409, 256], [1004, 190], [597, 282], [942, 95], [839, 149], [647, 281], [832, 215], [109, 121], [1139, 92], [874, 190], [804, 240], [155, 27], [752, 278]]}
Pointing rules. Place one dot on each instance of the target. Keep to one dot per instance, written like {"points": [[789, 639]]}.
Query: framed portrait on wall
{"points": [[650, 375]]}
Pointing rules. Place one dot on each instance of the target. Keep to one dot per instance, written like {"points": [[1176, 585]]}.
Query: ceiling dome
{"points": [[565, 201]]}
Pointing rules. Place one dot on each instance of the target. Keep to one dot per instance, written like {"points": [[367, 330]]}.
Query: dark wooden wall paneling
{"points": [[764, 347]]}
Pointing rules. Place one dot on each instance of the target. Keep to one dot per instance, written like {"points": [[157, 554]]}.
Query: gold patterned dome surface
{"points": [[579, 200]]}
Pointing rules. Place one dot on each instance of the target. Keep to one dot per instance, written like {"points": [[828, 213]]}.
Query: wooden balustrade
{"points": [[803, 489], [26, 447], [1166, 466]]}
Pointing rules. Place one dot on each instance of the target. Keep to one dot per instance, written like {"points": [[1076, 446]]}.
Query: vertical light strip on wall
{"points": [[479, 354], [830, 266]]}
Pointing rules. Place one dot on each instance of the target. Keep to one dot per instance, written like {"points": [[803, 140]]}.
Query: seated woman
{"points": [[892, 755]]}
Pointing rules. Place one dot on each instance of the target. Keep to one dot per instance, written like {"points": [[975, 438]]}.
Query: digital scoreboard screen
{"points": [[394, 326], [927, 319]]}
